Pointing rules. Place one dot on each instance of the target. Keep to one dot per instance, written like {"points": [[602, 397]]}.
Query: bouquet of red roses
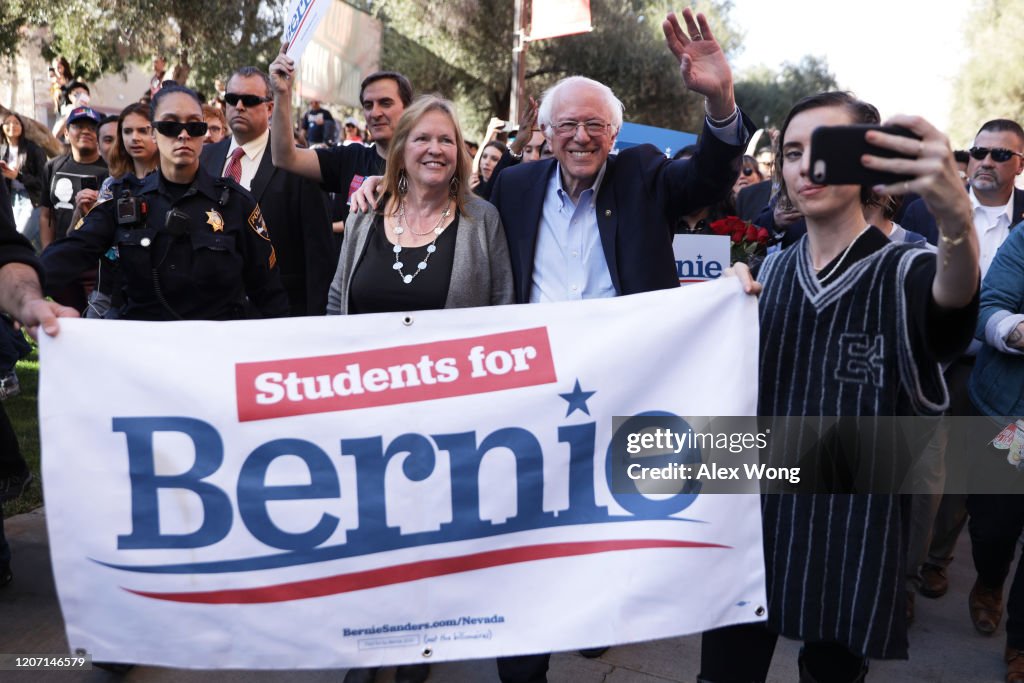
{"points": [[749, 242]]}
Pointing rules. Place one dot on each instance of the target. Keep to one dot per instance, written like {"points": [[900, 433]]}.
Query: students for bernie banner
{"points": [[382, 489]]}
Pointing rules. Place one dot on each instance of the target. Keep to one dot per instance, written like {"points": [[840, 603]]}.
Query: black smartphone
{"points": [[90, 183], [836, 153]]}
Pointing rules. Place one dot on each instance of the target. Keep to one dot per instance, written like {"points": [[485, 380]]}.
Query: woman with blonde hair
{"points": [[430, 244]]}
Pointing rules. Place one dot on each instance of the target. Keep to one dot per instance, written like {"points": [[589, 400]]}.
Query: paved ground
{"points": [[944, 646]]}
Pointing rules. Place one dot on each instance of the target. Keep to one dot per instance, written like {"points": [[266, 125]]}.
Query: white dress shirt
{"points": [[992, 223], [254, 150]]}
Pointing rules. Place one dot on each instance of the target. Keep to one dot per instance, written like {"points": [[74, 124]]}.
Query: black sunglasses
{"points": [[999, 154], [248, 100], [172, 129]]}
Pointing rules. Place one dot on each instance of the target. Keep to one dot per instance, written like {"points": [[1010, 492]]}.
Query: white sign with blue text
{"points": [[301, 21], [700, 258], [394, 488]]}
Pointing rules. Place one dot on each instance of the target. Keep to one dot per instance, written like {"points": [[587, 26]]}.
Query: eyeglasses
{"points": [[999, 154], [595, 129], [234, 98], [172, 129]]}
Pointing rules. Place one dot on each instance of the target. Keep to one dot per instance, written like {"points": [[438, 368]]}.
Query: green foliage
{"points": [[103, 36], [462, 48], [23, 413], [13, 17], [767, 95], [990, 84]]}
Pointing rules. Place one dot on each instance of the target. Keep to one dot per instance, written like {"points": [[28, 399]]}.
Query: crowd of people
{"points": [[888, 300]]}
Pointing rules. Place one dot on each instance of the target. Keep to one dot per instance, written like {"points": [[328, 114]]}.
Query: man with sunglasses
{"points": [[996, 159], [294, 208]]}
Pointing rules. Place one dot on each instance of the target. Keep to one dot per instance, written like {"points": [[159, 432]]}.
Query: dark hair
{"points": [[1002, 126], [250, 72], [73, 85], [21, 121], [168, 89], [498, 145], [64, 69], [962, 156], [404, 86], [752, 162], [109, 118], [859, 110], [120, 162]]}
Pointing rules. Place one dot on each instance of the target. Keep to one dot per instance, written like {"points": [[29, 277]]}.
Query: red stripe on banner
{"points": [[305, 15], [414, 571]]}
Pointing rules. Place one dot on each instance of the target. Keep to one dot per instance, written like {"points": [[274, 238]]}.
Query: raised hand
{"points": [[282, 70], [702, 63]]}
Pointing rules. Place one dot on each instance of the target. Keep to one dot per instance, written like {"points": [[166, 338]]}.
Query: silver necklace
{"points": [[833, 269], [431, 248]]}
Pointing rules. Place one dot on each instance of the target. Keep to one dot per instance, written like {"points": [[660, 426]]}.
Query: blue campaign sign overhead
{"points": [[667, 140]]}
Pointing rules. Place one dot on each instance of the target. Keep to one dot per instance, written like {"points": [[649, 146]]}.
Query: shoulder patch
{"points": [[257, 224], [80, 223]]}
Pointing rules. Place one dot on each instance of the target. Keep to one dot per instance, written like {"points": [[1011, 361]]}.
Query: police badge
{"points": [[215, 220]]}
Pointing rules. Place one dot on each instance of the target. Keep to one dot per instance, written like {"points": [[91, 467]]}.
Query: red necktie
{"points": [[234, 169]]}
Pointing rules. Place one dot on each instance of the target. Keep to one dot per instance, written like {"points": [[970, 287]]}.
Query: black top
{"points": [[378, 288], [14, 248], [201, 266], [31, 163], [62, 179], [343, 169], [945, 332]]}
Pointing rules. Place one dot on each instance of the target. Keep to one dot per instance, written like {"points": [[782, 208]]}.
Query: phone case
{"points": [[836, 152]]}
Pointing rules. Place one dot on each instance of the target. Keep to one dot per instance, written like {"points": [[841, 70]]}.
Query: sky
{"points": [[900, 55]]}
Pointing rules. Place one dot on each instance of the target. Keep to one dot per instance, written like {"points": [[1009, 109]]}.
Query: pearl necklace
{"points": [[833, 269], [431, 248]]}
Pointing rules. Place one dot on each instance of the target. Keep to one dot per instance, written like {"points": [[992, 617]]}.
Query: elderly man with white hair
{"points": [[585, 224]]}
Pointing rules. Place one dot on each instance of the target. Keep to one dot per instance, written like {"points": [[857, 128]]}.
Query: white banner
{"points": [[301, 22], [383, 489]]}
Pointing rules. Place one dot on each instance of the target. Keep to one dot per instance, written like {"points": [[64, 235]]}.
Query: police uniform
{"points": [[196, 256]]}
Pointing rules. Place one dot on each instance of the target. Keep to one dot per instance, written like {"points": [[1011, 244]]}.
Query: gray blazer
{"points": [[481, 271]]}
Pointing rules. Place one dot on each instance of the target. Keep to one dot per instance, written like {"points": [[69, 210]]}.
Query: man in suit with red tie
{"points": [[294, 208]]}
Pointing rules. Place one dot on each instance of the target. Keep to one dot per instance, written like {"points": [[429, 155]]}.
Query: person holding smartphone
{"points": [[189, 246], [856, 326]]}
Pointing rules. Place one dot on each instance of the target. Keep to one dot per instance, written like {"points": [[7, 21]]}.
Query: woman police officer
{"points": [[190, 246]]}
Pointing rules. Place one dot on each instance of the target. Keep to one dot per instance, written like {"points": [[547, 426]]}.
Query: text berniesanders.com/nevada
{"points": [[398, 628]]}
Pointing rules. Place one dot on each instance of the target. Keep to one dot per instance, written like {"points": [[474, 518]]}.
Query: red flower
{"points": [[737, 237], [751, 234], [762, 235], [720, 227]]}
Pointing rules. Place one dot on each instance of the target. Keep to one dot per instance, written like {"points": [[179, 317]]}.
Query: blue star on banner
{"points": [[577, 399]]}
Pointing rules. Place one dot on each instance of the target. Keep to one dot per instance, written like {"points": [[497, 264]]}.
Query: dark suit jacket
{"points": [[752, 199], [918, 218], [295, 212], [640, 198]]}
